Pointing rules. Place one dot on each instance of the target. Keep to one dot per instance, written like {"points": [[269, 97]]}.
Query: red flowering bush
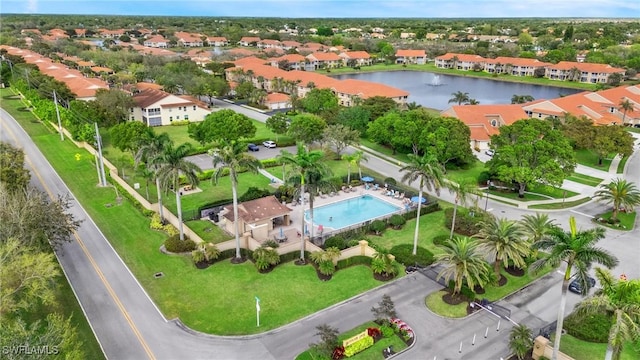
{"points": [[338, 353]]}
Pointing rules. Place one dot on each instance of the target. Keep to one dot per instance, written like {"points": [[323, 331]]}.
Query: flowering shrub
{"points": [[338, 353], [374, 332]]}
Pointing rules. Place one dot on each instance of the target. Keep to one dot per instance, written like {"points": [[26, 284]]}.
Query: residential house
{"points": [[351, 92], [289, 62], [249, 41], [269, 44], [485, 120], [158, 108], [459, 61], [356, 58], [110, 34], [585, 104], [418, 57], [217, 41], [582, 72], [407, 35], [277, 101], [290, 45], [157, 41], [188, 40], [513, 66], [615, 96], [322, 60]]}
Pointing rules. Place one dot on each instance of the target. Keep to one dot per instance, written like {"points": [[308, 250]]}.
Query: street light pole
{"points": [[486, 203], [55, 101], [103, 178]]}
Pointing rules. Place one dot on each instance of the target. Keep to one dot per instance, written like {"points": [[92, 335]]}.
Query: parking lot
{"points": [[204, 160]]}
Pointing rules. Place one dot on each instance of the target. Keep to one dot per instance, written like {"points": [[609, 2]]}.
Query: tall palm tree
{"points": [[462, 191], [233, 156], [622, 193], [577, 249], [625, 106], [148, 153], [462, 261], [302, 162], [171, 166], [354, 158], [503, 241], [428, 170], [459, 97], [473, 102], [621, 299], [316, 181]]}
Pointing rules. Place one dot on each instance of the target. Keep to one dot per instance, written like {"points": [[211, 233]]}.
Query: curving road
{"points": [[129, 326]]}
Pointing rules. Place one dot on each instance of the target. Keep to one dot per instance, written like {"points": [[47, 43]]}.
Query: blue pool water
{"points": [[350, 212]]}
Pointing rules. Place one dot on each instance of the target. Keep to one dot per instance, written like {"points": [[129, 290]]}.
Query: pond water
{"points": [[434, 90]]}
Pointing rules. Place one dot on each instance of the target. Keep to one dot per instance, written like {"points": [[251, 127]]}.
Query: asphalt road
{"points": [[129, 326]]}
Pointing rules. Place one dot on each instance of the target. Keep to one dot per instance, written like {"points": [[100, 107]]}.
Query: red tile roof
{"points": [[259, 209], [367, 89], [410, 53], [461, 57]]}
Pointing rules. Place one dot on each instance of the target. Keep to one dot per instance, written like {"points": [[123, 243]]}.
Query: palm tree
{"points": [[462, 190], [473, 102], [232, 156], [462, 261], [503, 241], [621, 299], [459, 97], [625, 106], [537, 227], [302, 162], [622, 193], [520, 340], [430, 173], [171, 166], [383, 263], [354, 158], [315, 183], [148, 153], [577, 249]]}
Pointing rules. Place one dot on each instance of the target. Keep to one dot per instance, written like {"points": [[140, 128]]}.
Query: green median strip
{"points": [[560, 205], [585, 179]]}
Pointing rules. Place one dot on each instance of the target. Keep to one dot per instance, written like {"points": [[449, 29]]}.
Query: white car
{"points": [[269, 144], [490, 152]]}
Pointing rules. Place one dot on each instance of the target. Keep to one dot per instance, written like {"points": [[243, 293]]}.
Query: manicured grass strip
{"points": [[585, 179], [551, 191], [622, 164], [584, 350], [627, 220], [514, 283], [588, 158], [435, 303], [67, 304], [388, 152], [560, 205], [470, 173], [514, 195]]}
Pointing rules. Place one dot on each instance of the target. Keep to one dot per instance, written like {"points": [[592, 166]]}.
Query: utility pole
{"points": [[55, 101], [103, 178]]}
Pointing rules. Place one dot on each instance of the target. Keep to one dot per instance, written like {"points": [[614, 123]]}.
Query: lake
{"points": [[434, 90]]}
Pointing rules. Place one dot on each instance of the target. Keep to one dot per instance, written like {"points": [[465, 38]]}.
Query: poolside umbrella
{"points": [[367, 179], [415, 199]]}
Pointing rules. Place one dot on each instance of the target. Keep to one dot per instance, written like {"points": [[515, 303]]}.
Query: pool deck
{"points": [[292, 232]]}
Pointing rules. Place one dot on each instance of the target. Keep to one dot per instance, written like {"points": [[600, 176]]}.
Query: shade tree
{"points": [[307, 128], [222, 126]]}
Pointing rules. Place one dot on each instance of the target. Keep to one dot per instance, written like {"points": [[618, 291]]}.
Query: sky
{"points": [[333, 8]]}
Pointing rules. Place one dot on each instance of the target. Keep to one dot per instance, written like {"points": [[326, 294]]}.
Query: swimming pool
{"points": [[349, 212]]}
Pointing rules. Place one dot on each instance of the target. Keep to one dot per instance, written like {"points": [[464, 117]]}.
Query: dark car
{"points": [[253, 147], [576, 287]]}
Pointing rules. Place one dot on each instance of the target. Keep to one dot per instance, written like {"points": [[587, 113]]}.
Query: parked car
{"points": [[269, 144], [490, 152], [576, 287], [253, 147]]}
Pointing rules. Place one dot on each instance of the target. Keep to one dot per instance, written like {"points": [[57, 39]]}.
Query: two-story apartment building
{"points": [[156, 41], [158, 108], [358, 58], [406, 56], [582, 72], [320, 60], [249, 41], [217, 41], [513, 66], [188, 40], [459, 61]]}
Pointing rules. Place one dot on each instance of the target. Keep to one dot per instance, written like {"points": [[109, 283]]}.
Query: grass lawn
{"points": [[470, 174], [208, 231], [514, 283], [587, 158], [435, 303], [372, 353], [621, 165], [514, 195], [431, 225], [560, 205], [627, 220], [585, 179], [584, 350], [386, 151]]}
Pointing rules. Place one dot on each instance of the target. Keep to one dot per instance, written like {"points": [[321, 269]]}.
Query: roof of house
{"points": [[356, 55], [517, 61], [586, 67], [259, 209], [367, 89], [148, 97], [410, 53], [276, 98], [478, 117], [460, 57], [322, 56]]}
